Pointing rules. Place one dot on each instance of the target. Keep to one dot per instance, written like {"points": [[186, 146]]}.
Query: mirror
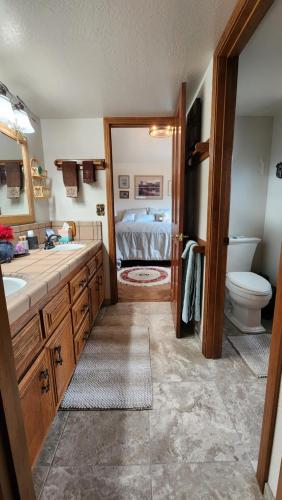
{"points": [[16, 196]]}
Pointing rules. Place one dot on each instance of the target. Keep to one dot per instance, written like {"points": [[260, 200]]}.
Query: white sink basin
{"points": [[12, 285], [69, 246]]}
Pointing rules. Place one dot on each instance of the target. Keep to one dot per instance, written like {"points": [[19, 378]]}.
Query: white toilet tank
{"points": [[240, 253]]}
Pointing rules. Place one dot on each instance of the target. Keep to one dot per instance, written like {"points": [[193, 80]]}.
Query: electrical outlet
{"points": [[100, 209]]}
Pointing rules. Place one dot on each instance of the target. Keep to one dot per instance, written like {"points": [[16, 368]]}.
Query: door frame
{"points": [[244, 20], [109, 124]]}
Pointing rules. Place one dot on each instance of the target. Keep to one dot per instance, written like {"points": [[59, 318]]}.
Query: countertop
{"points": [[43, 270]]}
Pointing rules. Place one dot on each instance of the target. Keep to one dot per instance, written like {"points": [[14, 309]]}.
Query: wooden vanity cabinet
{"points": [[37, 402], [57, 341], [61, 352]]}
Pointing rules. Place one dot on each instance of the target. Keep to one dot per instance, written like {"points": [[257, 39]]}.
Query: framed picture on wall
{"points": [[124, 195], [123, 182], [148, 187]]}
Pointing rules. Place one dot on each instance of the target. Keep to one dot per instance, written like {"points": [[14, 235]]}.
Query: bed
{"points": [[143, 238]]}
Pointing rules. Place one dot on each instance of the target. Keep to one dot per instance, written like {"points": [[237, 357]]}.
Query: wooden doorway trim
{"points": [[109, 124], [272, 389], [244, 20], [15, 472]]}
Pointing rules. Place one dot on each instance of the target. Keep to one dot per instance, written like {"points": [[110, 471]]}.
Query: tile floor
{"points": [[200, 441]]}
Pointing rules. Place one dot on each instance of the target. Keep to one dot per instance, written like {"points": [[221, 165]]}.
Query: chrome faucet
{"points": [[49, 241]]}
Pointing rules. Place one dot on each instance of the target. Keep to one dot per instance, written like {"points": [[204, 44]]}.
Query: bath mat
{"points": [[254, 349], [144, 275], [114, 371]]}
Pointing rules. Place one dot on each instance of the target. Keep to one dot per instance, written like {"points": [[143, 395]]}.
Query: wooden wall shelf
{"points": [[99, 164]]}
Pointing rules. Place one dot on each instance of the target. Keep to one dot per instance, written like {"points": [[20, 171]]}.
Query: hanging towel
{"points": [[14, 181], [192, 278], [89, 172], [70, 178]]}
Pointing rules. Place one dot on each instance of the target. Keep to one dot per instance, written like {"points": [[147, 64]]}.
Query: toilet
{"points": [[246, 292]]}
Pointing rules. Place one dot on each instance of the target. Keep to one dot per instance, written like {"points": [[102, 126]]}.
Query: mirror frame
{"points": [[21, 218]]}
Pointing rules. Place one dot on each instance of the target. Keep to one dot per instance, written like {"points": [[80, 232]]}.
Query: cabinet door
{"points": [[80, 310], [101, 287], [94, 297], [81, 337], [37, 402], [61, 350], [78, 283]]}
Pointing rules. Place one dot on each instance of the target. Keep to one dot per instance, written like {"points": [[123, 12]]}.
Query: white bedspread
{"points": [[143, 240]]}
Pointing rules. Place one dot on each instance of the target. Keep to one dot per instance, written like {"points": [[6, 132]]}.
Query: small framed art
{"points": [[148, 187], [124, 195], [123, 182]]}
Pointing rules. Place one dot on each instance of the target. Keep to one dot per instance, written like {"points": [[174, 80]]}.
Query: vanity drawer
{"points": [[81, 337], [92, 266], [27, 344], [79, 310], [56, 310], [78, 283], [99, 258]]}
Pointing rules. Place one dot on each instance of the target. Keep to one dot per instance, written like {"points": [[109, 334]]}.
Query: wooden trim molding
{"points": [[21, 218], [272, 388], [120, 122]]}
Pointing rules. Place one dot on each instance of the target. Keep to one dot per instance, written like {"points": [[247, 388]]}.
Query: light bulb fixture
{"points": [[22, 121], [6, 110], [160, 131]]}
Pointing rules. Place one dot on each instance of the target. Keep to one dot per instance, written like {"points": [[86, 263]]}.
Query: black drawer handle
{"points": [[84, 308], [82, 283], [85, 336], [44, 375], [57, 350]]}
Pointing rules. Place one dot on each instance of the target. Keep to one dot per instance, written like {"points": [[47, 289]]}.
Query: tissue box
{"points": [[66, 235]]}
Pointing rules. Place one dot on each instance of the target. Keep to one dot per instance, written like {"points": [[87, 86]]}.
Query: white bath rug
{"points": [[114, 371], [144, 275], [254, 349]]}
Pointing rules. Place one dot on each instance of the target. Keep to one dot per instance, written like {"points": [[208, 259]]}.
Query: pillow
{"points": [[128, 217], [144, 218], [135, 211], [158, 211]]}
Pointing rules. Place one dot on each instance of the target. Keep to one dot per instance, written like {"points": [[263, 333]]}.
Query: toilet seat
{"points": [[249, 282]]}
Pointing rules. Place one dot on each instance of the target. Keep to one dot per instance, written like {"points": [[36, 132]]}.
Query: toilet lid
{"points": [[251, 282]]}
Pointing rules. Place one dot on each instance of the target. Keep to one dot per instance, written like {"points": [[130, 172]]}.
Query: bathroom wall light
{"points": [[6, 110], [160, 131]]}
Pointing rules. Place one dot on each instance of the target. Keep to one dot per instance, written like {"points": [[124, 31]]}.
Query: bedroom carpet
{"points": [[157, 293], [114, 371]]}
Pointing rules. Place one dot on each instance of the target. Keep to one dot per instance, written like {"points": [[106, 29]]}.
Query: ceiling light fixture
{"points": [[6, 110], [160, 131], [22, 121]]}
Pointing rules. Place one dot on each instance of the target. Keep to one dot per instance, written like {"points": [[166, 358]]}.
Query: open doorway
{"points": [[142, 172]]}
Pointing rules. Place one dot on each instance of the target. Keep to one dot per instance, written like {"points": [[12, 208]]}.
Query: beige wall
{"points": [[76, 139]]}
